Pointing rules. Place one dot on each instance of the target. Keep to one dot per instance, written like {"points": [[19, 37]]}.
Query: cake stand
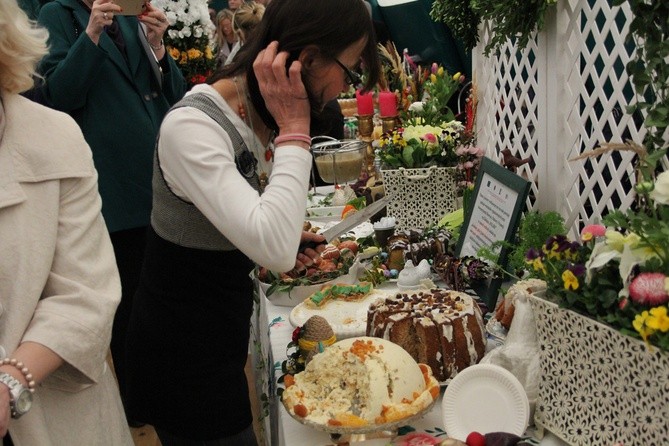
{"points": [[347, 435]]}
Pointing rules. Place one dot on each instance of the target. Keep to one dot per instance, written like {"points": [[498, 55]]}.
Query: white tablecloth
{"points": [[273, 332]]}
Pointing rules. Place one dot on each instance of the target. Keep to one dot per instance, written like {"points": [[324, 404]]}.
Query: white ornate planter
{"points": [[599, 386], [420, 197]]}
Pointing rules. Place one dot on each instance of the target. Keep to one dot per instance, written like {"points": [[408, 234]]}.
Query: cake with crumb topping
{"points": [[359, 382]]}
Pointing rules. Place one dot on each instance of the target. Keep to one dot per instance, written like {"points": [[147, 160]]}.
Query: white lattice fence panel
{"points": [[507, 88], [603, 91], [573, 94]]}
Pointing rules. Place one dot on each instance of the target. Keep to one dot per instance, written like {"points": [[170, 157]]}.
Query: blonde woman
{"points": [[225, 36], [59, 286], [244, 21]]}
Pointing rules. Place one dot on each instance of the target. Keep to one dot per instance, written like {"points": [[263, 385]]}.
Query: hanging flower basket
{"points": [[598, 386]]}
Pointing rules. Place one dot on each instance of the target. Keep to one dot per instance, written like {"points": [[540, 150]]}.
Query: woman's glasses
{"points": [[352, 78]]}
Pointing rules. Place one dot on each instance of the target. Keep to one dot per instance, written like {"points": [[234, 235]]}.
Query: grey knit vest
{"points": [[179, 221]]}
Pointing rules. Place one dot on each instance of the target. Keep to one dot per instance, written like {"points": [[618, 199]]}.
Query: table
{"points": [[271, 333]]}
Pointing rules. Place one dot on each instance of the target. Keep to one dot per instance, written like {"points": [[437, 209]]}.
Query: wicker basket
{"points": [[419, 198], [599, 386]]}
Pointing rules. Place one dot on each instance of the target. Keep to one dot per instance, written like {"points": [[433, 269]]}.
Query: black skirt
{"points": [[187, 342]]}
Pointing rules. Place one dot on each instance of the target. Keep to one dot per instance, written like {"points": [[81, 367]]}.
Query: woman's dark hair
{"points": [[330, 25]]}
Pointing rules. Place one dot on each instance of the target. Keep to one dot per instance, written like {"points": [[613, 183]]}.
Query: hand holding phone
{"points": [[131, 7]]}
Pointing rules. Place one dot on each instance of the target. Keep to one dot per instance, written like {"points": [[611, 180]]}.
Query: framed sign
{"points": [[493, 215]]}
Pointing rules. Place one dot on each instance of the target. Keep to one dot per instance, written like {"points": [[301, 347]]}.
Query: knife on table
{"points": [[348, 223]]}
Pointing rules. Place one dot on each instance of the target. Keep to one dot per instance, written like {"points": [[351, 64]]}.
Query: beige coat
{"points": [[58, 280]]}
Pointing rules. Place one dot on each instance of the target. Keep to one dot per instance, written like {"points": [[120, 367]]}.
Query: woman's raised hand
{"points": [[102, 13], [282, 89]]}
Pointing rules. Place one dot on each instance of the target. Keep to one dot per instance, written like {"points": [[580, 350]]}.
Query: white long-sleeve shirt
{"points": [[198, 162]]}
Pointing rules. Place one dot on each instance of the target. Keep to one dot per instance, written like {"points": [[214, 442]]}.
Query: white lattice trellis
{"points": [[560, 97]]}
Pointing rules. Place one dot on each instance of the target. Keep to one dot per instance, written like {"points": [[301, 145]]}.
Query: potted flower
{"points": [[430, 159], [603, 325], [189, 38]]}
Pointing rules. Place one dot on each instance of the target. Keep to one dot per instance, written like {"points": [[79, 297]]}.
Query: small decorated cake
{"points": [[360, 382], [441, 328], [349, 293], [416, 246]]}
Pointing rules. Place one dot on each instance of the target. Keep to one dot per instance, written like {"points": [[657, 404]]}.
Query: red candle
{"points": [[365, 103], [387, 103]]}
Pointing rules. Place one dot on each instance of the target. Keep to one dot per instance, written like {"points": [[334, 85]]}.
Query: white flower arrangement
{"points": [[187, 18], [190, 37]]}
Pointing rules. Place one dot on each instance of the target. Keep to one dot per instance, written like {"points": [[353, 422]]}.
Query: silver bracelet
{"points": [[157, 47]]}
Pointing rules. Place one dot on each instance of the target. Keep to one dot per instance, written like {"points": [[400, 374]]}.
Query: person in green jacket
{"points": [[100, 72], [31, 7]]}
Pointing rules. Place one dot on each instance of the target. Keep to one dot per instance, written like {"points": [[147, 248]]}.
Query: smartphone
{"points": [[131, 7]]}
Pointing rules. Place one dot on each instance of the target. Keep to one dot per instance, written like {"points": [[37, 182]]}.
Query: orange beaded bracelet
{"points": [[18, 365]]}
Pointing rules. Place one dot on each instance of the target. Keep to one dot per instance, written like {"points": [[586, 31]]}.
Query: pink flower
{"points": [[648, 289], [429, 137], [416, 439], [473, 150], [591, 231]]}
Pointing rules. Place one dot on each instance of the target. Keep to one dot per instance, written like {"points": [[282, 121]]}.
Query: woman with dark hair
{"points": [[231, 176]]}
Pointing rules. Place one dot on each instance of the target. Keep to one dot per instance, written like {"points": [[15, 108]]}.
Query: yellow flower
{"points": [[184, 58], [456, 76], [553, 252], [538, 265], [175, 53], [640, 325], [440, 72], [617, 241], [658, 319], [570, 280], [194, 53], [399, 140], [433, 78], [207, 53]]}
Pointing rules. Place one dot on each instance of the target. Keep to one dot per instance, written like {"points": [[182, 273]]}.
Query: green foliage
{"points": [[649, 30], [374, 272], [509, 19], [460, 18], [436, 91], [534, 229]]}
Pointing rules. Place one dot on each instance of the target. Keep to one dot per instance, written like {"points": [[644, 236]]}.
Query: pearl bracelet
{"points": [[157, 47], [301, 137], [18, 365]]}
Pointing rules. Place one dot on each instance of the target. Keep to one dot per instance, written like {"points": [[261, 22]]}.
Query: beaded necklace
{"points": [[242, 107]]}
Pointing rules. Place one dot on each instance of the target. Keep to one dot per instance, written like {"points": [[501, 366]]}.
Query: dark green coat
{"points": [[115, 101], [31, 7]]}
